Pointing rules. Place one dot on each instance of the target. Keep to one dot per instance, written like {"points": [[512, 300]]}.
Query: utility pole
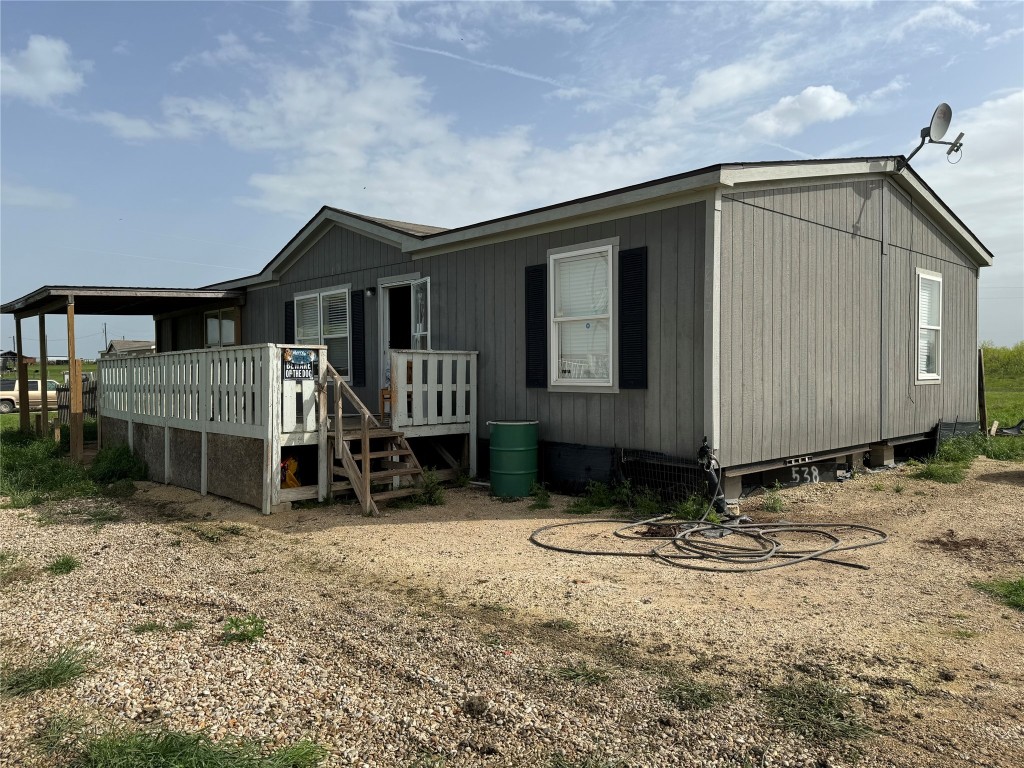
{"points": [[104, 336]]}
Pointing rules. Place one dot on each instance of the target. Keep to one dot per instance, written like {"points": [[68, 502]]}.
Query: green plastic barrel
{"points": [[513, 457]]}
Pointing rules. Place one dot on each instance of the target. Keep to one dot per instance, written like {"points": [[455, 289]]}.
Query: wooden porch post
{"points": [[44, 377], [75, 374], [23, 419]]}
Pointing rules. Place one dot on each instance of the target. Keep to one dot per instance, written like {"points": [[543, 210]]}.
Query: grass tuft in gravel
{"points": [[121, 747], [541, 497], [590, 761], [1008, 591], [63, 565], [583, 674], [816, 710], [688, 694], [11, 570], [53, 671], [560, 625], [156, 626], [243, 629], [772, 501]]}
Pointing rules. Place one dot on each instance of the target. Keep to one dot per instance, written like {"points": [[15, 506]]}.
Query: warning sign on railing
{"points": [[299, 364]]}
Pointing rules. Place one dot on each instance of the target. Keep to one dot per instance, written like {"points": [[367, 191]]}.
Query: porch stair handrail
{"points": [[360, 478]]}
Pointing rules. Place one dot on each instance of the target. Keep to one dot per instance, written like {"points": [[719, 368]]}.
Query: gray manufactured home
{"points": [[789, 312]]}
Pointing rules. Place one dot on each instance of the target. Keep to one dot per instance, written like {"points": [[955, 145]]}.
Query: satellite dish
{"points": [[941, 119], [933, 133]]}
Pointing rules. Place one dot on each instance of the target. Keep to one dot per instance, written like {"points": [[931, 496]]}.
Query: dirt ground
{"points": [[936, 666]]}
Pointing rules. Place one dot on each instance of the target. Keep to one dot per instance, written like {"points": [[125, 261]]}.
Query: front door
{"points": [[406, 320]]}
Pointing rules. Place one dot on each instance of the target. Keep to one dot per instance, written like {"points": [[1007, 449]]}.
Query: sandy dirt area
{"points": [[381, 631]]}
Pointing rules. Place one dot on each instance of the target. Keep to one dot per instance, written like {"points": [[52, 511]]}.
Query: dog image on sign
{"points": [[299, 364]]}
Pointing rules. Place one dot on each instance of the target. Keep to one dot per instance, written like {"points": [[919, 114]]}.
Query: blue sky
{"points": [[178, 144]]}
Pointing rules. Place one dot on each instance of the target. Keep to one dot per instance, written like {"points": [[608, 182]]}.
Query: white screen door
{"points": [[420, 297]]}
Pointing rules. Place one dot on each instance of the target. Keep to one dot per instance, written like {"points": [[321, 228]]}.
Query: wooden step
{"points": [[410, 490], [394, 473], [375, 433], [384, 454]]}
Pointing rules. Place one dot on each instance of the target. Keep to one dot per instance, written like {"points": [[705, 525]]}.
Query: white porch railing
{"points": [[238, 391], [432, 388], [434, 393]]}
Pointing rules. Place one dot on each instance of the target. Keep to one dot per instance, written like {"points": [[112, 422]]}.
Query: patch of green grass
{"points": [[428, 760], [53, 671], [63, 565], [148, 626], [117, 463], [899, 488], [583, 674], [647, 504], [32, 471], [212, 533], [942, 472], [184, 625], [243, 629], [818, 711], [432, 492], [772, 501], [689, 694], [124, 747], [598, 496], [560, 625], [1009, 591], [877, 487], [690, 508], [1004, 383], [541, 497]]}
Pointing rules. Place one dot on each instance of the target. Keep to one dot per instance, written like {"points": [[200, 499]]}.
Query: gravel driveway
{"points": [[442, 637]]}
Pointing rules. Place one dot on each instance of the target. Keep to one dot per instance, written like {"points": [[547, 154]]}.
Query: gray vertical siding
{"points": [[819, 329], [478, 303], [916, 243]]}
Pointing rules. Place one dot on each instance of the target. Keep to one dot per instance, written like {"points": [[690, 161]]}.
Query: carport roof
{"points": [[106, 300]]}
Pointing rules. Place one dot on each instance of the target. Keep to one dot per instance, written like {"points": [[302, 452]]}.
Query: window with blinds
{"points": [[581, 317], [929, 325], [324, 318]]}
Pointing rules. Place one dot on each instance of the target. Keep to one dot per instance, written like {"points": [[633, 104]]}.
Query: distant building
{"points": [[129, 348], [9, 360]]}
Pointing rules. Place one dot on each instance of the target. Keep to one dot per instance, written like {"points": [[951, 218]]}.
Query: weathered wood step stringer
{"points": [[357, 451]]}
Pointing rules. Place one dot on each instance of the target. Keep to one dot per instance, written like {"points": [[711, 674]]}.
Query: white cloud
{"points": [[125, 127], [298, 16], [42, 72], [33, 197], [791, 114], [1003, 37], [122, 48], [731, 82], [230, 50], [940, 15]]}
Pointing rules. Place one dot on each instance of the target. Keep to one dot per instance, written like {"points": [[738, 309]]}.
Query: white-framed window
{"points": [[581, 312], [929, 325], [323, 317], [221, 326]]}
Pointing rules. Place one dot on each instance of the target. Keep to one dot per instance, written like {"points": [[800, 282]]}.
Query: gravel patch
{"points": [[435, 636]]}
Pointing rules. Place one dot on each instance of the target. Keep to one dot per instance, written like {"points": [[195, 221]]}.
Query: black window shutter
{"points": [[633, 318], [289, 322], [357, 327], [537, 326]]}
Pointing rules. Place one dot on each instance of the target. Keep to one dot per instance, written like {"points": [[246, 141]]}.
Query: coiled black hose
{"points": [[701, 545]]}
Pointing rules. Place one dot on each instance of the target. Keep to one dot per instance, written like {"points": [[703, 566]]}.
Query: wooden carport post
{"points": [[23, 419], [44, 393], [75, 374]]}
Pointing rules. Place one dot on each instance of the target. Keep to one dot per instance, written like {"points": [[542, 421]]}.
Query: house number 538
{"points": [[805, 474]]}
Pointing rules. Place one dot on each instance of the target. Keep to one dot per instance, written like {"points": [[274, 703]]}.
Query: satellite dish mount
{"points": [[934, 131]]}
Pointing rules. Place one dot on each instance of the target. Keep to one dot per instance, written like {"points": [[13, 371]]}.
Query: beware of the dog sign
{"points": [[300, 364]]}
